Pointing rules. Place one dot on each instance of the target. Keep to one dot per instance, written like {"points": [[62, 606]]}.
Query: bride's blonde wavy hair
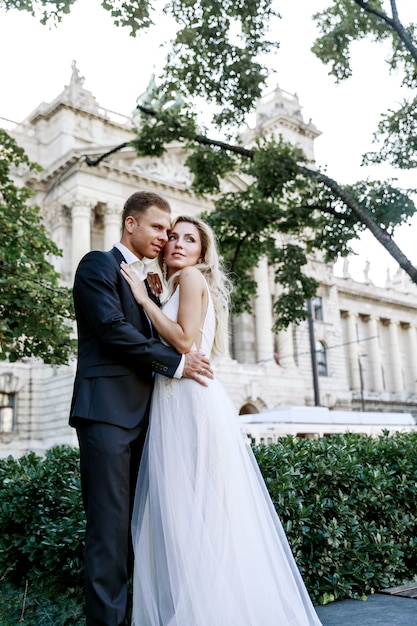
{"points": [[219, 284]]}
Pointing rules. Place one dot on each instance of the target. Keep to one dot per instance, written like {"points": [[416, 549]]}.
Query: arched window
{"points": [[8, 387], [321, 357], [248, 409], [7, 412]]}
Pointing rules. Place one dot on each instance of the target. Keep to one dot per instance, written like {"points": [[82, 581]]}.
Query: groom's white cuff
{"points": [[180, 368]]}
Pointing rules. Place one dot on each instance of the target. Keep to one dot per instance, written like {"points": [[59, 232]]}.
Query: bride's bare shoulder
{"points": [[191, 275]]}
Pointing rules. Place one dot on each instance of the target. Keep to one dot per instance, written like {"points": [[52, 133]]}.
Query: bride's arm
{"points": [[181, 334]]}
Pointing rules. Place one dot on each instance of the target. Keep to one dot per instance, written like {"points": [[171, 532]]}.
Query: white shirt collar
{"points": [[131, 259]]}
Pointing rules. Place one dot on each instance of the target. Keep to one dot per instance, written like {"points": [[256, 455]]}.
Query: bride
{"points": [[209, 547]]}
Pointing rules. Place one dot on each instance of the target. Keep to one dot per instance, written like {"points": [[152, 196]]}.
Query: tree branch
{"points": [[237, 251], [368, 9], [37, 281], [393, 22], [378, 232], [94, 162], [201, 139]]}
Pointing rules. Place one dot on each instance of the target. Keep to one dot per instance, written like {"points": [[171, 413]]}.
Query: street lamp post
{"points": [[313, 354]]}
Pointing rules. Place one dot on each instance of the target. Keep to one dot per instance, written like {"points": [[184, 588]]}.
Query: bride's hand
{"points": [[136, 284]]}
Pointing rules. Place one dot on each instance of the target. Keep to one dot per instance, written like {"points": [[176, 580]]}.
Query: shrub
{"points": [[348, 505], [41, 519], [35, 605], [41, 539]]}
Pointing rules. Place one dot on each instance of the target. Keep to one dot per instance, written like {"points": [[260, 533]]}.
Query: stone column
{"points": [[395, 358], [375, 356], [81, 233], [352, 338], [412, 355], [112, 226], [286, 348], [263, 314]]}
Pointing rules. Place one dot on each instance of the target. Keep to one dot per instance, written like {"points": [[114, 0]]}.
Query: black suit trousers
{"points": [[109, 462]]}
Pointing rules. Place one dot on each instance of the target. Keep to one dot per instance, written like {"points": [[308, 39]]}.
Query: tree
{"points": [[35, 312], [219, 55], [284, 195], [349, 21]]}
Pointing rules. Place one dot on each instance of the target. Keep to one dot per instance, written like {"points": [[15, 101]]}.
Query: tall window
{"points": [[317, 309], [7, 412], [321, 357]]}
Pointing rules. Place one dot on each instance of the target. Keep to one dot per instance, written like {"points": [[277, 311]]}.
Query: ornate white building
{"points": [[364, 336]]}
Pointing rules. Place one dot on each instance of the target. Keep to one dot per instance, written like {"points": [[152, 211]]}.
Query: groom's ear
{"points": [[129, 223]]}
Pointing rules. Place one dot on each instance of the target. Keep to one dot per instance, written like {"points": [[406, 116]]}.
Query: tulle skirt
{"points": [[209, 547]]}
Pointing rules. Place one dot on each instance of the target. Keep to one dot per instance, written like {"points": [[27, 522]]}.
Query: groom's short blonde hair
{"points": [[140, 201]]}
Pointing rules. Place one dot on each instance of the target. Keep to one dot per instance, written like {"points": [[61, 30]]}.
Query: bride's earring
{"points": [[164, 270]]}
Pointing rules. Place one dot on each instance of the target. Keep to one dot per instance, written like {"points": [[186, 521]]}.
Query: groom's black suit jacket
{"points": [[117, 354]]}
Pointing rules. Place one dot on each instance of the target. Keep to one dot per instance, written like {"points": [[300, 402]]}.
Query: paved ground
{"points": [[377, 610]]}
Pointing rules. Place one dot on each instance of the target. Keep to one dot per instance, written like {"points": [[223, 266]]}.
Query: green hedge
{"points": [[348, 505], [41, 539]]}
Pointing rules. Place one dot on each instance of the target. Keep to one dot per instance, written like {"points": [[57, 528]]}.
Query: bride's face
{"points": [[183, 247]]}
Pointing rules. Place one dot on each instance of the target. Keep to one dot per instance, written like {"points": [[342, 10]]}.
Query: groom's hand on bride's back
{"points": [[197, 366]]}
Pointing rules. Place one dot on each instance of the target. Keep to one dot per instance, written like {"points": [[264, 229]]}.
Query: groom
{"points": [[118, 354]]}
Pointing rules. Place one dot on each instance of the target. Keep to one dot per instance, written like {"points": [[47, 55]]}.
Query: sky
{"points": [[37, 65]]}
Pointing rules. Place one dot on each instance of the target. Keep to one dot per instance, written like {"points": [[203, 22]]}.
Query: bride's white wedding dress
{"points": [[209, 547]]}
